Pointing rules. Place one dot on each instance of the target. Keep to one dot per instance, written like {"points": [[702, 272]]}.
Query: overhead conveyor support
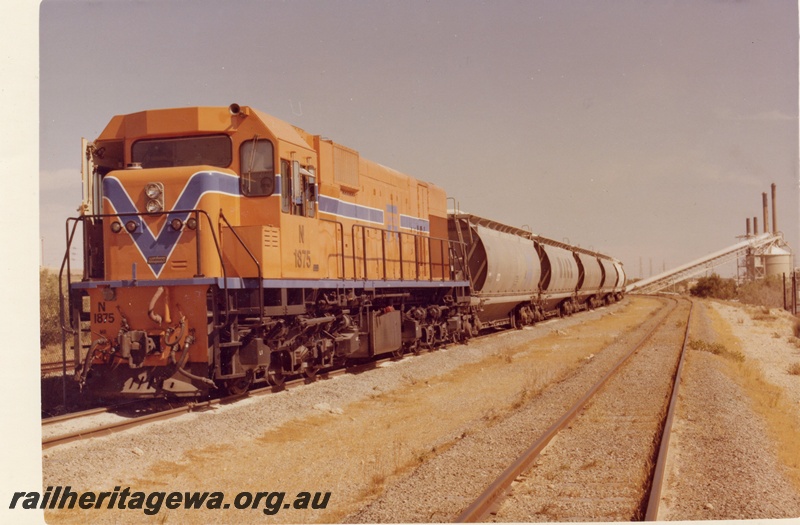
{"points": [[698, 266]]}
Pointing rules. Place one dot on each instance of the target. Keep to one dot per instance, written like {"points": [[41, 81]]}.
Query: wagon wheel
{"points": [[238, 386], [398, 354]]}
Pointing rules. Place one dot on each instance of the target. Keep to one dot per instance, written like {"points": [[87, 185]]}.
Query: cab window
{"points": [[298, 189], [286, 186], [257, 167], [212, 150]]}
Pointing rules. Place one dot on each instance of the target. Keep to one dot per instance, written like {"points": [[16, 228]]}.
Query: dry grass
{"points": [[767, 400], [761, 316], [794, 369], [716, 349]]}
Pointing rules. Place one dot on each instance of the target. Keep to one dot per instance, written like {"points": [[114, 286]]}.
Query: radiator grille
{"points": [[345, 166]]}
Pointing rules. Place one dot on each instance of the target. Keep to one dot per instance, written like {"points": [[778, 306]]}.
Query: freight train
{"points": [[224, 247]]}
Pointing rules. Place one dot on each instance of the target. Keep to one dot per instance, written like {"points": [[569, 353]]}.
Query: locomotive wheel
{"points": [[310, 374], [239, 386], [398, 354], [275, 378]]}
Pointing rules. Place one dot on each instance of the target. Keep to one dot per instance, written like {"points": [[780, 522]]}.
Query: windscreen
{"points": [[213, 150]]}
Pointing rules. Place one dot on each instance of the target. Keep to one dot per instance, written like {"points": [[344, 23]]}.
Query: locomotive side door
{"points": [[422, 245]]}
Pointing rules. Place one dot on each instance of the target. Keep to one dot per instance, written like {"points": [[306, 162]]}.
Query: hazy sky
{"points": [[639, 128]]}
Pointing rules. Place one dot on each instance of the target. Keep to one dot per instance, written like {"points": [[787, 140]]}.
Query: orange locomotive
{"points": [[223, 246]]}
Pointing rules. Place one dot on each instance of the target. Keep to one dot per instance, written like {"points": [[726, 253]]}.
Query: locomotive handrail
{"points": [[196, 212], [258, 269], [431, 265], [65, 262], [61, 316]]}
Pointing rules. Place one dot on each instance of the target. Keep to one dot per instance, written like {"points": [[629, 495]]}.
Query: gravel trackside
{"points": [[723, 463]]}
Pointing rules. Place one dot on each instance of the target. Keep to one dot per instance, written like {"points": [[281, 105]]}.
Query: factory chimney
{"points": [[755, 225], [774, 211], [748, 226], [766, 212]]}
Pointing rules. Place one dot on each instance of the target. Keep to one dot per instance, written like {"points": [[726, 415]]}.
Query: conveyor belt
{"points": [[675, 275]]}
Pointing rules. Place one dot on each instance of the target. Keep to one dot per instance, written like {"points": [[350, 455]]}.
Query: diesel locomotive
{"points": [[223, 247]]}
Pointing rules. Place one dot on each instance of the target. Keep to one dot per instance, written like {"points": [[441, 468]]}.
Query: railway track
{"points": [[82, 425], [87, 429], [52, 368], [610, 433]]}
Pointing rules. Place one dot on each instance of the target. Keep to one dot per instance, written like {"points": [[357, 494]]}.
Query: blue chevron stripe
{"points": [[161, 246]]}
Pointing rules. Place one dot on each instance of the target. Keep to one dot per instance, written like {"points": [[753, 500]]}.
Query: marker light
{"points": [[191, 223], [130, 226], [176, 224], [116, 227]]}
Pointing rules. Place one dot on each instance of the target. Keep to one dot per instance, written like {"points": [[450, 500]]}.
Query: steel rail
{"points": [[659, 472], [49, 368], [110, 428], [74, 415], [481, 506]]}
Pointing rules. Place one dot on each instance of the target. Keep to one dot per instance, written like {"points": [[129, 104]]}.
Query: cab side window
{"points": [[286, 186], [298, 189], [258, 167]]}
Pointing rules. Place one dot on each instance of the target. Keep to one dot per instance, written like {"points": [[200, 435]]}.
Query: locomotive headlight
{"points": [[155, 193], [154, 205], [116, 227], [154, 190], [130, 226]]}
